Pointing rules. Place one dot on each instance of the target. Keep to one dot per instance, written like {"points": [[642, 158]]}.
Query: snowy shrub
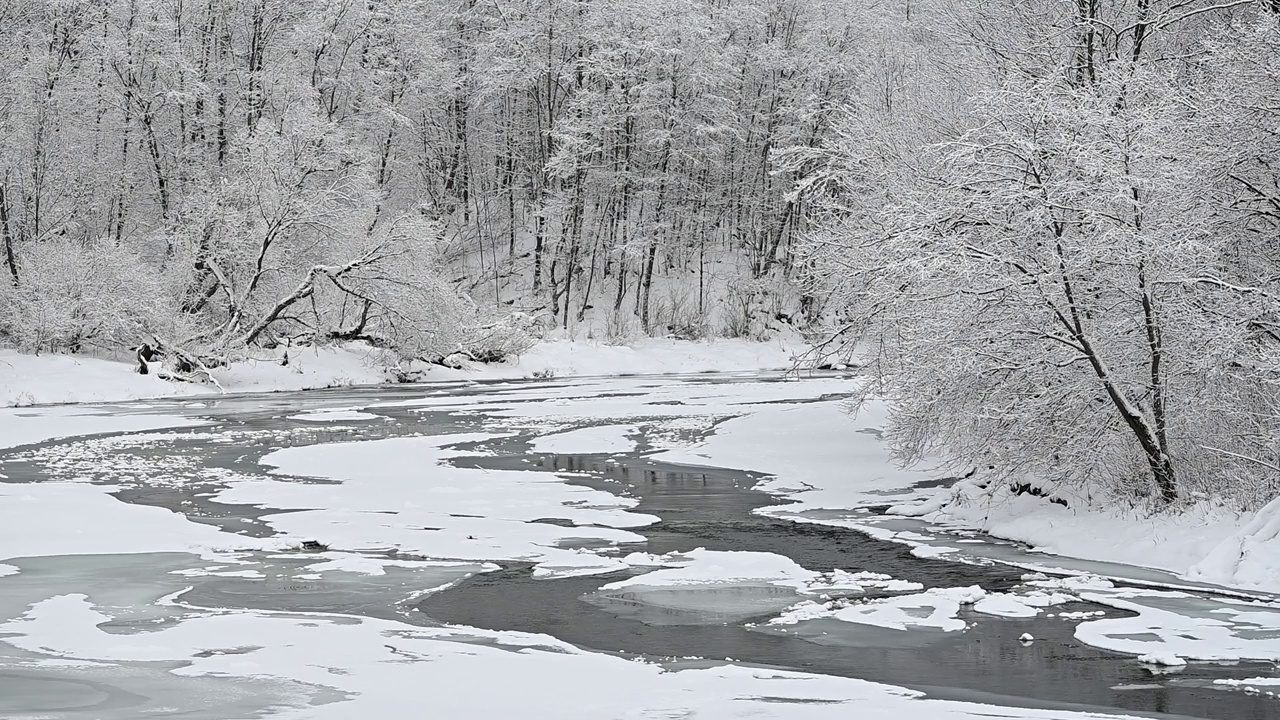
{"points": [[621, 327], [493, 336], [76, 295], [677, 316], [749, 308]]}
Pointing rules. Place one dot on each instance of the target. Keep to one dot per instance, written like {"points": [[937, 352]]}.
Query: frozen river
{"points": [[501, 548]]}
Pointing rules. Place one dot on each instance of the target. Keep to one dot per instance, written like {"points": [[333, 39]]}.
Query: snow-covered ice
{"points": [[335, 415], [387, 669], [709, 567], [934, 609], [399, 494], [817, 456], [601, 439], [27, 426], [61, 518]]}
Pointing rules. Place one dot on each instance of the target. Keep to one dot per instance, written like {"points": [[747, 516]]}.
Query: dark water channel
{"points": [[712, 509]]}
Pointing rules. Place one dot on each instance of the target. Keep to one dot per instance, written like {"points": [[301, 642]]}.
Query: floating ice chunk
{"points": [[365, 565], [601, 439], [217, 571], [935, 609], [805, 610], [1081, 615], [932, 551], [1075, 583], [1026, 638], [1183, 625], [1039, 599], [581, 563], [1246, 682], [710, 604], [963, 595], [1004, 605], [709, 567], [1166, 659], [334, 415], [643, 559], [847, 583]]}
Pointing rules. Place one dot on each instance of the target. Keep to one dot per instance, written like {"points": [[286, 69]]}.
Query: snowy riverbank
{"points": [[56, 379], [846, 467]]}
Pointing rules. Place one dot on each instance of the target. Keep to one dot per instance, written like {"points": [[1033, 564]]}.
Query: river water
{"points": [[698, 507]]}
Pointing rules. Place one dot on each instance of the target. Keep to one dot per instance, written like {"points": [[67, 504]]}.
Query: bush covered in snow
{"points": [[81, 295]]}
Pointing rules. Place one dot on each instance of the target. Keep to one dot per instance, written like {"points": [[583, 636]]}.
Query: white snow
{"points": [[334, 415], [1171, 623], [577, 564], [46, 379], [1004, 605], [600, 439], [49, 379], [707, 567], [1162, 658], [818, 457], [1205, 544], [398, 494], [1244, 682], [27, 426], [933, 609], [564, 358], [60, 518], [847, 583]]}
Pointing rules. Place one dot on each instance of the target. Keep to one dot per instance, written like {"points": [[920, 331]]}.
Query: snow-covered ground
{"points": [[1208, 543], [50, 379]]}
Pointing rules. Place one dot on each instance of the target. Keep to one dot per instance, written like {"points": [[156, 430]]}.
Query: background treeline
{"points": [[230, 172]]}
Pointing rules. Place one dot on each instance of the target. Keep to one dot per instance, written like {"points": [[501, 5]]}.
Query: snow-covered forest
{"points": [[1050, 228], [1062, 245], [229, 173]]}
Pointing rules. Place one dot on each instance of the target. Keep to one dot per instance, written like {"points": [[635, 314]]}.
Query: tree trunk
{"points": [[7, 235]]}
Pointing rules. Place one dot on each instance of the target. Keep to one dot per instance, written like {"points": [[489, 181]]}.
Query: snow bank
{"points": [[818, 456], [1205, 544], [49, 379]]}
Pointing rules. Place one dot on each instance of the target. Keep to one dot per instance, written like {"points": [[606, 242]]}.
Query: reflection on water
{"points": [[695, 605]]}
